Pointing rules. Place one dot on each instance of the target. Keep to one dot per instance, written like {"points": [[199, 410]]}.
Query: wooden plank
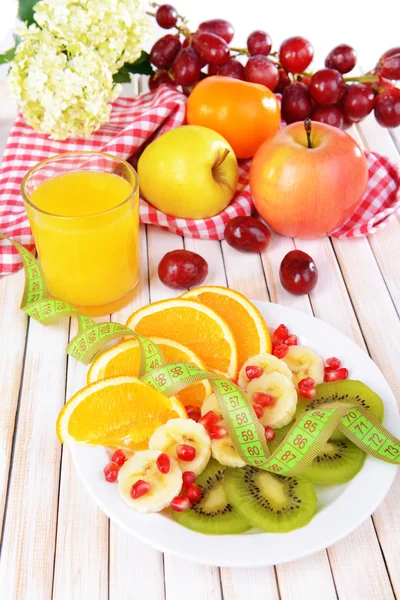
{"points": [[13, 332], [135, 568], [254, 584], [185, 580], [26, 569], [296, 582], [384, 243], [81, 524], [253, 285]]}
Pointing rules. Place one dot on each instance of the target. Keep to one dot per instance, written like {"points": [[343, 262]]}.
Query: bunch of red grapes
{"points": [[184, 58]]}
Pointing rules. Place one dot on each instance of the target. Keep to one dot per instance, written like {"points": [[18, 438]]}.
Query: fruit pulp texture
{"points": [[87, 239]]}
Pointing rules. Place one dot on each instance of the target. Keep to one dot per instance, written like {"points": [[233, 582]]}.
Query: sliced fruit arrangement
{"points": [[196, 326], [247, 324], [124, 359], [119, 412], [183, 455]]}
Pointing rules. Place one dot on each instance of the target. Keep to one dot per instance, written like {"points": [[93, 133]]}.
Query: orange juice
{"points": [[86, 225]]}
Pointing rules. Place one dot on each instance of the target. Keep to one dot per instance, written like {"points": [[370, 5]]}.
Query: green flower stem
{"points": [[363, 78]]}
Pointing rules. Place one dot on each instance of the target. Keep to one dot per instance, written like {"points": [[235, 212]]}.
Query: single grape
{"points": [[327, 87], [343, 58], [296, 103], [331, 115], [295, 54], [387, 108], [298, 272], [259, 69], [247, 234], [189, 41], [164, 51], [233, 68], [218, 26], [213, 69], [389, 64], [181, 269], [358, 101], [259, 42], [166, 16], [160, 77], [284, 81], [186, 67], [211, 48]]}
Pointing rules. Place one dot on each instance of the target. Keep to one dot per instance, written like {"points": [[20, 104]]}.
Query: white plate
{"points": [[341, 508]]}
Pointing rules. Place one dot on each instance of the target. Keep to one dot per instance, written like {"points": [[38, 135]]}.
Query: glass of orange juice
{"points": [[83, 208]]}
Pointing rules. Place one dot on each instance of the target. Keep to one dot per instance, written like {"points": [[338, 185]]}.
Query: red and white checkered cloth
{"points": [[132, 123]]}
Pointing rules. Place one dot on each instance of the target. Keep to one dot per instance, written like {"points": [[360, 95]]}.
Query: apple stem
{"points": [[221, 158], [307, 127]]}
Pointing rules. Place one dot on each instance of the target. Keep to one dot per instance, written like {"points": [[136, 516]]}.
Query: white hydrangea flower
{"points": [[63, 89], [116, 28]]}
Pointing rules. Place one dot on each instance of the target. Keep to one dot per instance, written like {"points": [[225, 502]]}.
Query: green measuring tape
{"points": [[300, 446]]}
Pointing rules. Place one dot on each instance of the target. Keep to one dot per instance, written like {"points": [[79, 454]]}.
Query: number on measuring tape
{"points": [[310, 425], [253, 451], [300, 441], [275, 468], [247, 436], [226, 386], [241, 419], [287, 456], [234, 402], [176, 372]]}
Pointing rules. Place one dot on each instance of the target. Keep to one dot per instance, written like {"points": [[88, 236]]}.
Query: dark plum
{"points": [[247, 234], [180, 269]]}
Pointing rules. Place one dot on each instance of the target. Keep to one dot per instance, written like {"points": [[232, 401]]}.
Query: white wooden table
{"points": [[57, 544]]}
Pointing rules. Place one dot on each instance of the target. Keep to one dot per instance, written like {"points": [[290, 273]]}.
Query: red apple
{"points": [[307, 184]]}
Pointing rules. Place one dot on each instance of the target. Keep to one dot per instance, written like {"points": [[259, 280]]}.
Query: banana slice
{"points": [[183, 431], [142, 465], [268, 364], [283, 390], [211, 404], [304, 362], [225, 453]]}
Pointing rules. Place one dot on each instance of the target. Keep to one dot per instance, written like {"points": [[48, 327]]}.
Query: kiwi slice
{"points": [[270, 502], [338, 462], [212, 514], [347, 389]]}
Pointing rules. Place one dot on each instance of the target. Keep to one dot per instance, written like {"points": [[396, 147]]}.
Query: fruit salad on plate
{"points": [[175, 454]]}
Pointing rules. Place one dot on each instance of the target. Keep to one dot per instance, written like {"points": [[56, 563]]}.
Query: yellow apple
{"points": [[189, 172]]}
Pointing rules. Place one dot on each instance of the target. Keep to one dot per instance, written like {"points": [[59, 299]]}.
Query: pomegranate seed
{"points": [[263, 399], [140, 488], [269, 433], [258, 409], [188, 477], [194, 493], [163, 463], [185, 452], [280, 351], [333, 363], [280, 334], [119, 457], [253, 372], [307, 392], [111, 471], [336, 375], [307, 382], [217, 432], [193, 412], [209, 419], [180, 503], [291, 340]]}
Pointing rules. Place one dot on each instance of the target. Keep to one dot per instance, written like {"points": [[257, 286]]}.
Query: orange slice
{"points": [[194, 325], [119, 412], [245, 320], [124, 359]]}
